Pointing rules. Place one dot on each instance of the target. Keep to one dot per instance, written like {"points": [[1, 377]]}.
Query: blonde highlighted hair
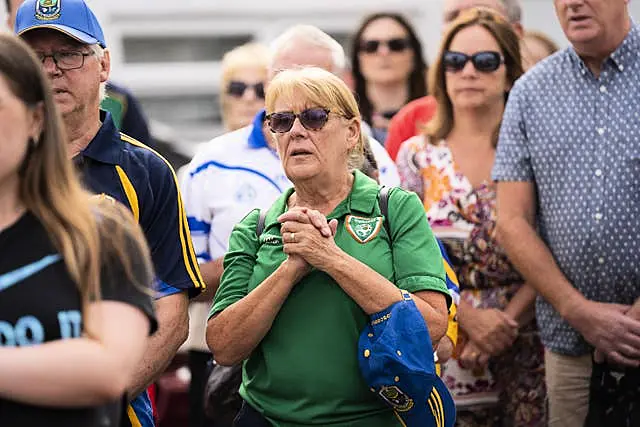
{"points": [[253, 56], [86, 230], [502, 31], [319, 88]]}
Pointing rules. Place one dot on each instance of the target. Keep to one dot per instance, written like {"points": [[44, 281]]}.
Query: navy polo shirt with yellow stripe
{"points": [[117, 166]]}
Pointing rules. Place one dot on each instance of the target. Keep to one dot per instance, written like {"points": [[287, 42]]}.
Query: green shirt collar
{"points": [[362, 199]]}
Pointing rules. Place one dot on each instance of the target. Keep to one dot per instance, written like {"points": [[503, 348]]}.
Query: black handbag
{"points": [[614, 397], [222, 399]]}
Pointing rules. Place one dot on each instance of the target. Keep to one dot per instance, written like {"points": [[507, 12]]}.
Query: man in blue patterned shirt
{"points": [[568, 166]]}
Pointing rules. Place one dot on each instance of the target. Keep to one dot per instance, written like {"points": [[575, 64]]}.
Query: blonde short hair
{"points": [[249, 55], [319, 88]]}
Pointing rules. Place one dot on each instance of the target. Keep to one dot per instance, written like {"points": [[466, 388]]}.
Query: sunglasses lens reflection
{"points": [[311, 119]]}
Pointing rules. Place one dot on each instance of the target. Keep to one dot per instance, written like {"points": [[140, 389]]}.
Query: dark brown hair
{"points": [[442, 123], [416, 82]]}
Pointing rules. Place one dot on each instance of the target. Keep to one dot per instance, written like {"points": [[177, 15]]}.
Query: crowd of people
{"points": [[373, 241]]}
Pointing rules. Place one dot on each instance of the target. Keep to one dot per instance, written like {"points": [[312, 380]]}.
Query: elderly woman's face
{"points": [[18, 124], [312, 145], [244, 97]]}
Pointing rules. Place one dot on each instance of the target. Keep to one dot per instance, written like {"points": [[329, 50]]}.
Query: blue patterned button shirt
{"points": [[578, 138]]}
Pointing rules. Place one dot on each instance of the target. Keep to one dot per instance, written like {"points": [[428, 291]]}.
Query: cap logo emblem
{"points": [[363, 229], [47, 10], [396, 398]]}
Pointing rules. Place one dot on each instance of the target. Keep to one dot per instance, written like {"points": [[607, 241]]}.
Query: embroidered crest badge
{"points": [[47, 10], [396, 398], [270, 240], [363, 229]]}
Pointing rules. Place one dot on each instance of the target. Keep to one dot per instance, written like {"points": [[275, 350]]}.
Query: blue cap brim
{"points": [[68, 31]]}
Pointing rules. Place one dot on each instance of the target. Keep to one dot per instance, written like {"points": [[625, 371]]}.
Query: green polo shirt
{"points": [[305, 371]]}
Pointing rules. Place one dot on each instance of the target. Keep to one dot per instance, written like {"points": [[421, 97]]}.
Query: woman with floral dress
{"points": [[497, 375]]}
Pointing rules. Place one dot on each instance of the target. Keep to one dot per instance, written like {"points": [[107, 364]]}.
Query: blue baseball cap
{"points": [[396, 360], [73, 18]]}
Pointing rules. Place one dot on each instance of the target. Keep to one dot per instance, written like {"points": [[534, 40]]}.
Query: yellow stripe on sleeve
{"points": [[133, 418], [450, 273], [452, 325], [130, 192], [188, 253]]}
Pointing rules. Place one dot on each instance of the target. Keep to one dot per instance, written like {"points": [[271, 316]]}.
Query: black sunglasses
{"points": [[311, 119], [394, 45], [236, 88], [485, 62]]}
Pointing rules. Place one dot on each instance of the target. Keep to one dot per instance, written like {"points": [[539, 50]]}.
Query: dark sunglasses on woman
{"points": [[394, 45], [312, 119], [485, 62], [236, 88]]}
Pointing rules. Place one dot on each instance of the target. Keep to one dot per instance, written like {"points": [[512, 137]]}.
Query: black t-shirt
{"points": [[39, 303]]}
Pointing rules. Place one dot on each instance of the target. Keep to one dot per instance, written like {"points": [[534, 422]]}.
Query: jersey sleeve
{"points": [[417, 259], [387, 167], [199, 217], [513, 159], [164, 222], [238, 263], [454, 289], [125, 278]]}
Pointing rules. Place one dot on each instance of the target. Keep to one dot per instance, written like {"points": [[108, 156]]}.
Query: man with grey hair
{"points": [[67, 37], [567, 166]]}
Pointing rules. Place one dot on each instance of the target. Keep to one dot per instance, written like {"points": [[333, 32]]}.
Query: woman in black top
{"points": [[389, 69], [75, 309]]}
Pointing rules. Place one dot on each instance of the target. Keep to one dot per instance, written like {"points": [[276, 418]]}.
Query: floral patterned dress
{"points": [[511, 392]]}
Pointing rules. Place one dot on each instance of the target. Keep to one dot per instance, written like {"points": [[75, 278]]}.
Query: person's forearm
{"points": [[521, 307], [534, 261], [211, 273], [374, 293], [65, 373], [235, 332], [173, 327]]}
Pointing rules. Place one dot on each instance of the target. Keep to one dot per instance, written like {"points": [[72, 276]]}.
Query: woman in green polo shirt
{"points": [[294, 299]]}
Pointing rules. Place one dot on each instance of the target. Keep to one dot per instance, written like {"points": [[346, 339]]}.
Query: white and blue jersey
{"points": [[228, 177]]}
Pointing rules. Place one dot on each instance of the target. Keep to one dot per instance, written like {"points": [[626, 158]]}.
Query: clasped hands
{"points": [[307, 237], [489, 332]]}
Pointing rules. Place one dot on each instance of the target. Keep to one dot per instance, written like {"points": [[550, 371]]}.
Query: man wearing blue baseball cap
{"points": [[68, 39]]}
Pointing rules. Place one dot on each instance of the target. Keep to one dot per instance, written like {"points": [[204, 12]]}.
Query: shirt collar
{"points": [[256, 137], [624, 54], [362, 200], [106, 146]]}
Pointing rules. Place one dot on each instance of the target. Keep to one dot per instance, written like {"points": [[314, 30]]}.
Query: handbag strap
{"points": [[261, 221]]}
